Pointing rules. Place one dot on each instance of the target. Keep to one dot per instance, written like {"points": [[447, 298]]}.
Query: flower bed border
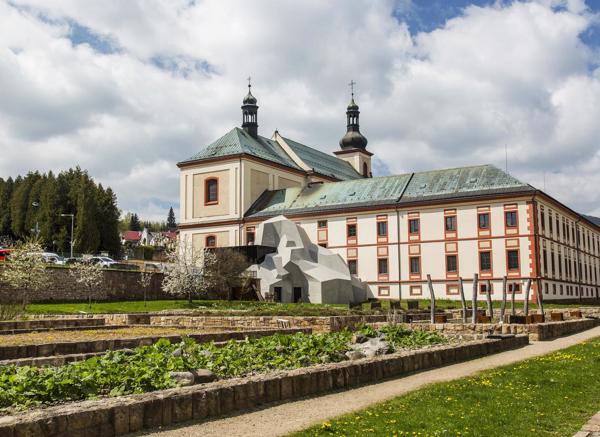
{"points": [[121, 415]]}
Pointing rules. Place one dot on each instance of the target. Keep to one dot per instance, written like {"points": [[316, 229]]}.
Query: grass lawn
{"points": [[553, 395], [212, 307], [222, 307]]}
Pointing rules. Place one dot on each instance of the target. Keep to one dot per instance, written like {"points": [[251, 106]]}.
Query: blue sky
{"points": [[127, 89]]}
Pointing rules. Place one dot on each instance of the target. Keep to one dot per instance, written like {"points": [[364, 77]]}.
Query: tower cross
{"points": [[351, 85], [249, 82]]}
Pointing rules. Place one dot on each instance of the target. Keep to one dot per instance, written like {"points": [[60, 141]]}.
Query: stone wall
{"points": [[536, 332], [122, 415], [318, 324], [61, 287], [28, 325]]}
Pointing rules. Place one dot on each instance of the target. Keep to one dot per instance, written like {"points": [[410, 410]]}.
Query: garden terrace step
{"points": [[82, 347], [61, 360], [122, 415], [36, 324]]}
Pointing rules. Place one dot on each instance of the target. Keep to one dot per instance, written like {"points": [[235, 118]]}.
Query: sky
{"points": [[128, 89]]}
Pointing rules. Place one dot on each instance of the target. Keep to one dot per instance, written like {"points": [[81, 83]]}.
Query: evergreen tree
{"points": [[6, 191], [171, 222], [134, 223], [108, 221], [87, 235]]}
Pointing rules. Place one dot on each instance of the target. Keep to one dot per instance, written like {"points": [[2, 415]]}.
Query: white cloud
{"points": [[515, 74]]}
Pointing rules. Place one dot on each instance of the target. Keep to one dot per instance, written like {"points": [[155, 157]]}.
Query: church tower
{"points": [[354, 144], [249, 113]]}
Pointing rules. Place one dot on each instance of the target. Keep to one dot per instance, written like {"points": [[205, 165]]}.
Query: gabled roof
{"points": [[131, 235], [322, 162], [388, 190], [237, 141]]}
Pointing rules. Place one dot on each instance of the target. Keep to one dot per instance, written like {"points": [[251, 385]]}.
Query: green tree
{"points": [[6, 191], [87, 234], [134, 223], [108, 221], [171, 222]]}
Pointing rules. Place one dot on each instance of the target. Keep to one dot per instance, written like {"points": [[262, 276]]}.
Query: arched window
{"points": [[211, 241], [365, 169], [211, 191]]}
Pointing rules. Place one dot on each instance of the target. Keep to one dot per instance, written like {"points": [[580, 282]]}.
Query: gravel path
{"points": [[285, 418]]}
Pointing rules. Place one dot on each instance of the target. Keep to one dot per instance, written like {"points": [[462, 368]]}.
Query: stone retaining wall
{"points": [[82, 347], [536, 332], [118, 416], [118, 285], [318, 324], [19, 325]]}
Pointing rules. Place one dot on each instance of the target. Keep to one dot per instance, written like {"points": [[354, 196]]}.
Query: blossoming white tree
{"points": [[145, 281], [186, 273], [24, 268], [90, 276]]}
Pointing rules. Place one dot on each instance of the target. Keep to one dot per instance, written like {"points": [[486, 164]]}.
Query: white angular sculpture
{"points": [[301, 270]]}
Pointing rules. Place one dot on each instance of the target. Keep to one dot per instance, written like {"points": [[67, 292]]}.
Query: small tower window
{"points": [[365, 169], [211, 191]]}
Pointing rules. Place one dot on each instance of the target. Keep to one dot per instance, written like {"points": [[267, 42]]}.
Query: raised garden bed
{"points": [[150, 368], [133, 413]]}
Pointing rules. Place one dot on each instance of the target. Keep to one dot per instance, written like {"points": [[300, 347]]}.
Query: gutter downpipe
{"points": [[398, 237]]}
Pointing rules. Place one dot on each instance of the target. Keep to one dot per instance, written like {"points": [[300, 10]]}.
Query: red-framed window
{"points": [[211, 191], [512, 260], [353, 266], [211, 241]]}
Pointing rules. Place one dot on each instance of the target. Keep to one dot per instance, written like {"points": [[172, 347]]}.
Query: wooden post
{"points": [[431, 292], [489, 300], [539, 301], [474, 299], [503, 306], [527, 289], [513, 310], [462, 299]]}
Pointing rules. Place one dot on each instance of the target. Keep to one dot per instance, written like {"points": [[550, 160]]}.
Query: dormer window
{"points": [[211, 191]]}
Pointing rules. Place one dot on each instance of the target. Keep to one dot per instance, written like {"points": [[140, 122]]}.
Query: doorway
{"points": [[297, 294]]}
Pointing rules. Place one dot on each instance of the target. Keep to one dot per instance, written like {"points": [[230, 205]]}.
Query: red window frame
{"points": [[207, 181]]}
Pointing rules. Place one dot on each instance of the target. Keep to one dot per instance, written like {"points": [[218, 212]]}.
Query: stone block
{"points": [[136, 417], [213, 402], [227, 404], [182, 408], [272, 389], [240, 397], [287, 387], [153, 413], [199, 405], [28, 429], [167, 410], [121, 419]]}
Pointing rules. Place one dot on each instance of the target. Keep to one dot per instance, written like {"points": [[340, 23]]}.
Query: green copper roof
{"points": [[388, 190], [238, 141], [332, 195], [460, 182], [322, 162]]}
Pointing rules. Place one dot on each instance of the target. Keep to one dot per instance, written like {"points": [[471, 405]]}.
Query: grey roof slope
{"points": [[238, 141], [322, 162], [388, 190], [591, 218]]}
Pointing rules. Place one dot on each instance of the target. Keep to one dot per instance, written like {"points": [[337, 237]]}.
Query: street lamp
{"points": [[72, 221], [37, 226]]}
